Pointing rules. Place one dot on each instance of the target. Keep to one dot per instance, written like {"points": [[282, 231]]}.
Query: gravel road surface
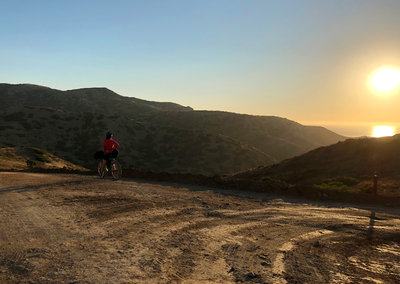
{"points": [[81, 229]]}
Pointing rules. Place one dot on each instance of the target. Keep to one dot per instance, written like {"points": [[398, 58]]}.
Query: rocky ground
{"points": [[80, 229]]}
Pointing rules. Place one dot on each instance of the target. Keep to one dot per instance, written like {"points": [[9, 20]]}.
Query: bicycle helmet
{"points": [[108, 135]]}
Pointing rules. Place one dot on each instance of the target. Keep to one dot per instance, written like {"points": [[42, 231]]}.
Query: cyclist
{"points": [[109, 147]]}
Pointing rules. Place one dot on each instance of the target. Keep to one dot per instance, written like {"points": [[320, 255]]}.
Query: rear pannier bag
{"points": [[99, 155]]}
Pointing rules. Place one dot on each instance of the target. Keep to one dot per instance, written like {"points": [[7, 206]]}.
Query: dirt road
{"points": [[80, 229]]}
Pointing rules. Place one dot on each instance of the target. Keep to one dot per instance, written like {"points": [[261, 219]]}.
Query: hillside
{"points": [[278, 137], [153, 136], [345, 166], [29, 158]]}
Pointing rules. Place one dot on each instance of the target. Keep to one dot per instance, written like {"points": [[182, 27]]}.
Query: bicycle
{"points": [[115, 168]]}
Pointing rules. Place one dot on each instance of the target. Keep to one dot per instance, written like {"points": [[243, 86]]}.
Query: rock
{"points": [[251, 276], [317, 244]]}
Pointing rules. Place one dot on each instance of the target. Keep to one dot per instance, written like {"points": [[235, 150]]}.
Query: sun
{"points": [[383, 131], [385, 79]]}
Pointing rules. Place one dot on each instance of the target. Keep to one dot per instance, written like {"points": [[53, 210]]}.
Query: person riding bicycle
{"points": [[109, 147]]}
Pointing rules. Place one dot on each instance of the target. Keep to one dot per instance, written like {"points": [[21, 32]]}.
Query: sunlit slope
{"points": [[356, 158], [25, 158], [153, 136]]}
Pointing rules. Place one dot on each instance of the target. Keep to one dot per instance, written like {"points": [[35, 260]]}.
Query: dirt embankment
{"points": [[80, 229]]}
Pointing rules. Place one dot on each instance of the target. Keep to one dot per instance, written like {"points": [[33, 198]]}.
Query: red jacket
{"points": [[110, 145]]}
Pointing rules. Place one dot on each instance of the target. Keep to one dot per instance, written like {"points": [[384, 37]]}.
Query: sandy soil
{"points": [[80, 229]]}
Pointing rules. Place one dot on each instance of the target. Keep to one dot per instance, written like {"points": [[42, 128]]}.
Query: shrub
{"points": [[40, 155], [341, 183], [349, 181], [31, 163], [270, 179], [332, 186]]}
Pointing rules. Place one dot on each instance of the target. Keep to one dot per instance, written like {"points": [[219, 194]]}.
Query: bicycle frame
{"points": [[115, 169]]}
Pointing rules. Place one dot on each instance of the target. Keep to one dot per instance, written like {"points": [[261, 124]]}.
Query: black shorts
{"points": [[107, 156]]}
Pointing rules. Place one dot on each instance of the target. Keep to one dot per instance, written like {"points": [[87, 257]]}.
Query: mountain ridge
{"points": [[153, 135]]}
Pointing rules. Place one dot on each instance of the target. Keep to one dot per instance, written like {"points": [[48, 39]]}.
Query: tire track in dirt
{"points": [[278, 267], [215, 239], [32, 233]]}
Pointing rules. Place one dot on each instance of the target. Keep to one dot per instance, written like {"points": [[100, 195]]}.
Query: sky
{"points": [[306, 60]]}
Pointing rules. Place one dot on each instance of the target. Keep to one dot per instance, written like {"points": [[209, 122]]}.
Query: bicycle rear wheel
{"points": [[116, 170], [99, 165]]}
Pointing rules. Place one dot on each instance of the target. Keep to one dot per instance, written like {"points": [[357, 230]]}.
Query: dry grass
{"points": [[25, 158]]}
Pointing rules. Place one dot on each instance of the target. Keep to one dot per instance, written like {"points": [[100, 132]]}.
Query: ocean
{"points": [[367, 129]]}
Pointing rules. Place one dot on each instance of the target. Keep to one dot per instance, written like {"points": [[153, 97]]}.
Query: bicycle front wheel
{"points": [[116, 170]]}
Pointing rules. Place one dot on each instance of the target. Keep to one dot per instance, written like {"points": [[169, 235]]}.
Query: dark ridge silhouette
{"points": [[359, 157], [363, 169]]}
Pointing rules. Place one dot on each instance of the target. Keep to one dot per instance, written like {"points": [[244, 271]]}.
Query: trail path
{"points": [[79, 229]]}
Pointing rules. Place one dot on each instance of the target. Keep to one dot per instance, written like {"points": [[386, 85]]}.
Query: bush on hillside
{"points": [[271, 179], [341, 184], [332, 186], [31, 163], [40, 155]]}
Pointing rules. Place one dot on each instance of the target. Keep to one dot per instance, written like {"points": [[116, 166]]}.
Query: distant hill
{"points": [[153, 135], [80, 100]]}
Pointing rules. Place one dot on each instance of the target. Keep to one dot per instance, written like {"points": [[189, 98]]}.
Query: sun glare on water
{"points": [[382, 131], [385, 79]]}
